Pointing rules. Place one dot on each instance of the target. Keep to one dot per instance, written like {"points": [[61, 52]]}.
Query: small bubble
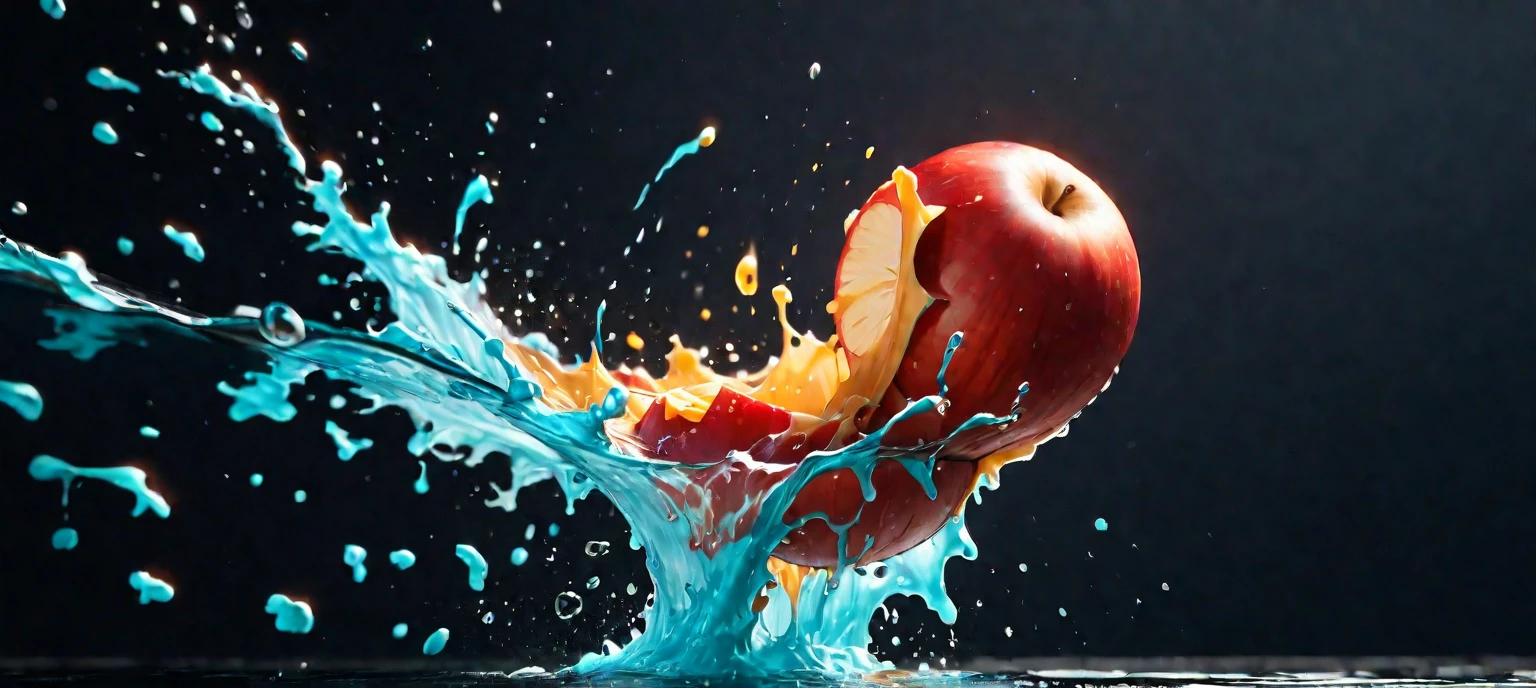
{"points": [[567, 605], [489, 617], [281, 325]]}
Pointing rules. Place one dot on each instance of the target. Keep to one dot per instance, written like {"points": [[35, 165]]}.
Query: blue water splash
{"points": [[354, 556], [703, 140], [104, 133], [187, 241], [23, 398], [65, 539], [519, 556], [479, 191], [476, 563], [290, 616], [266, 395], [399, 631], [402, 559], [125, 246], [446, 361], [127, 478], [151, 589], [421, 486], [435, 642], [104, 79], [54, 8], [346, 446], [211, 122], [949, 352], [149, 432]]}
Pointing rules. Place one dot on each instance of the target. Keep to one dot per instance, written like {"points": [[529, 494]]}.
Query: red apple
{"points": [[901, 516], [1031, 260]]}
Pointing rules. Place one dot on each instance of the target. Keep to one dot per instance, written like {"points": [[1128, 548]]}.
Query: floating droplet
{"points": [[592, 583], [815, 69], [281, 325], [187, 15], [104, 133], [597, 548], [1100, 525], [567, 605], [489, 617], [242, 16], [19, 208], [746, 273], [299, 51]]}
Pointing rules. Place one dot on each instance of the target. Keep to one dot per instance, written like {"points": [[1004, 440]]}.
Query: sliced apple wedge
{"points": [[878, 298]]}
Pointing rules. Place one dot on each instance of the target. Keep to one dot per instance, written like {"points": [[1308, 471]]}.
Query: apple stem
{"points": [[1056, 208]]}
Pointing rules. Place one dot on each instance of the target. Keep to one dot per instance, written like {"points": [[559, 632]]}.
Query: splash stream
{"points": [[467, 383]]}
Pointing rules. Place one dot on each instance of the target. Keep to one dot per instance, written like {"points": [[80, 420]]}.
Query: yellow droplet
{"points": [[707, 137], [704, 315], [794, 250], [634, 341], [815, 166], [703, 231], [746, 273], [687, 254], [869, 152]]}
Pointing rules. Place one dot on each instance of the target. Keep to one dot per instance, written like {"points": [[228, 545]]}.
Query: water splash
{"points": [[290, 616], [402, 559], [104, 133], [187, 241], [704, 140], [476, 563], [467, 383], [128, 478], [346, 446], [435, 642], [354, 556], [22, 398], [104, 79], [479, 191], [151, 589], [65, 539]]}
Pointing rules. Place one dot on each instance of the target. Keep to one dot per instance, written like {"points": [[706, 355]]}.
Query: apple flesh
{"points": [[1034, 264]]}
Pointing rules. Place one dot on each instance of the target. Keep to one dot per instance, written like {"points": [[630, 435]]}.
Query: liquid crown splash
{"points": [[467, 383]]}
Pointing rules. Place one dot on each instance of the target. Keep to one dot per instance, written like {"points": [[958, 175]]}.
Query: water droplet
{"points": [[489, 617], [281, 325], [1165, 586], [19, 208], [592, 583], [815, 69], [597, 548], [567, 605]]}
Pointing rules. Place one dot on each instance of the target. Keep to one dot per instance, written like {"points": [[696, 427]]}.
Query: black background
{"points": [[1321, 439]]}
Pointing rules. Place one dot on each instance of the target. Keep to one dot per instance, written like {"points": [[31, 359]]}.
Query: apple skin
{"points": [[1048, 298], [900, 518]]}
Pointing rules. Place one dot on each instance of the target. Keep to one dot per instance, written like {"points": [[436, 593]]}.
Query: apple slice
{"points": [[878, 298]]}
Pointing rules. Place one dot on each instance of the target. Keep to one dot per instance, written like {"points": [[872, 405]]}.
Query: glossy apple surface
{"points": [[1031, 260]]}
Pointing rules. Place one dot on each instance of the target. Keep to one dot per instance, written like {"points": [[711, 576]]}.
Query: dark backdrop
{"points": [[1321, 440]]}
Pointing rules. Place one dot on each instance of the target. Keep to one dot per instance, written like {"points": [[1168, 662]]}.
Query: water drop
{"points": [[592, 583], [19, 208], [567, 605], [281, 325], [815, 70], [597, 548], [488, 618]]}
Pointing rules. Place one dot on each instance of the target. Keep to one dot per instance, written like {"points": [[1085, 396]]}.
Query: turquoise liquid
{"points": [[443, 362]]}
